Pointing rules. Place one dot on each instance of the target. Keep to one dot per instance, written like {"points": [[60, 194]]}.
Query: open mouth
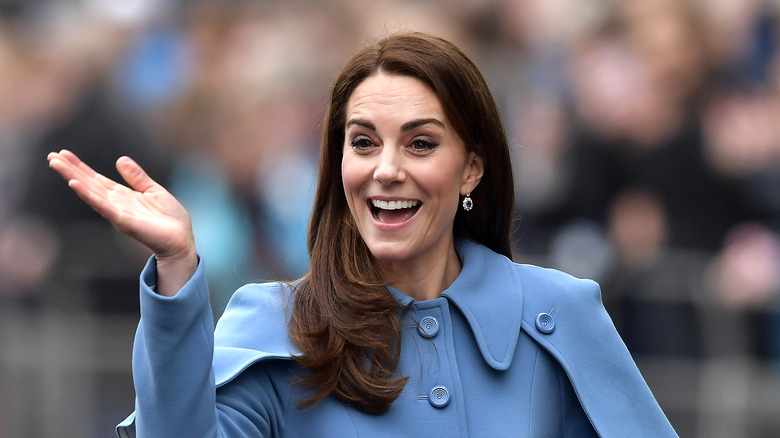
{"points": [[393, 212]]}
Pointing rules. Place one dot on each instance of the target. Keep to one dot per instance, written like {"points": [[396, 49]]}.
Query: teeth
{"points": [[393, 205]]}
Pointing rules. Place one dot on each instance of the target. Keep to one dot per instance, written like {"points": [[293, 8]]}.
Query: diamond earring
{"points": [[468, 204]]}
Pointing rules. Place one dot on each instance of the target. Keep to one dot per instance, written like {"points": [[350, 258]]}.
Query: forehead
{"points": [[393, 95]]}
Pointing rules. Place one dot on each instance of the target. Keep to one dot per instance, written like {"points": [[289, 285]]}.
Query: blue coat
{"points": [[507, 350]]}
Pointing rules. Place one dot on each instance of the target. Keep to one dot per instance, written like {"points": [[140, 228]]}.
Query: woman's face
{"points": [[403, 169]]}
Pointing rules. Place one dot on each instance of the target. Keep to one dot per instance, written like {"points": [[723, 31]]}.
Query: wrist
{"points": [[174, 271]]}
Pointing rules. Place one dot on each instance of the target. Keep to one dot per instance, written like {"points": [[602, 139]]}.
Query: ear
{"points": [[472, 173]]}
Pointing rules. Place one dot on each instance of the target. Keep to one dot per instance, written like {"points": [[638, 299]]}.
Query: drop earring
{"points": [[468, 204]]}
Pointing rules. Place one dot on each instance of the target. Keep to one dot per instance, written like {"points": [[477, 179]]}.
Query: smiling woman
{"points": [[413, 317], [401, 150]]}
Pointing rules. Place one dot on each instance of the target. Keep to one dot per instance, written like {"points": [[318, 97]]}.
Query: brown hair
{"points": [[344, 320]]}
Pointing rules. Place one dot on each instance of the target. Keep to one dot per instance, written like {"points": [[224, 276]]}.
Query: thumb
{"points": [[134, 175]]}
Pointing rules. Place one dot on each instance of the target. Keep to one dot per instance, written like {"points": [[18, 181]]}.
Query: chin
{"points": [[389, 251]]}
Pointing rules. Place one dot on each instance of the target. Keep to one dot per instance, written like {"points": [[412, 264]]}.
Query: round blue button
{"points": [[545, 323], [428, 327], [439, 397]]}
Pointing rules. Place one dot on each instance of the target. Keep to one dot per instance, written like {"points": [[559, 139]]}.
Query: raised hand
{"points": [[144, 211]]}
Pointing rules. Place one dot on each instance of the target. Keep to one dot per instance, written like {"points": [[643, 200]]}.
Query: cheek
{"points": [[352, 177], [444, 179]]}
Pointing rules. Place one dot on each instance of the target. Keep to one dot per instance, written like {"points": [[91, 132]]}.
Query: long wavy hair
{"points": [[344, 320]]}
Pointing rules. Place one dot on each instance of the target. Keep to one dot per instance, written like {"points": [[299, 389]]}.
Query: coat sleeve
{"points": [[174, 379]]}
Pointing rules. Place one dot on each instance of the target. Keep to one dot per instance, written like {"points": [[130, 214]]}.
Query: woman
{"points": [[412, 320]]}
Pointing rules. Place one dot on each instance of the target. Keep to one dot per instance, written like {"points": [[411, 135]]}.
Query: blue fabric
{"points": [[502, 376]]}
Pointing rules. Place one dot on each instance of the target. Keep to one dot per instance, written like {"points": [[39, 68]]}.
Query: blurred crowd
{"points": [[645, 134]]}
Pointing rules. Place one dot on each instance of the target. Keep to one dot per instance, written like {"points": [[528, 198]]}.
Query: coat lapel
{"points": [[488, 293]]}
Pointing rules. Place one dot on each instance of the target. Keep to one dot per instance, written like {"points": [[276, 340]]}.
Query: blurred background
{"points": [[646, 142]]}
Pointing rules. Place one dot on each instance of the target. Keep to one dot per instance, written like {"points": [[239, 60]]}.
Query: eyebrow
{"points": [[408, 126]]}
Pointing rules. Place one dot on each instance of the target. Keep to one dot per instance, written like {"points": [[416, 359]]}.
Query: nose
{"points": [[389, 166]]}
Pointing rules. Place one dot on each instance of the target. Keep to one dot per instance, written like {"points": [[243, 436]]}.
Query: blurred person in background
{"points": [[637, 87], [411, 144], [649, 283]]}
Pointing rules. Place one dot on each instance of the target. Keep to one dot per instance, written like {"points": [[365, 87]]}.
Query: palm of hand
{"points": [[144, 211]]}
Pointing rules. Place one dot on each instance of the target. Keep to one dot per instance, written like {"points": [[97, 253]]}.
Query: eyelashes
{"points": [[424, 144], [361, 142], [418, 144]]}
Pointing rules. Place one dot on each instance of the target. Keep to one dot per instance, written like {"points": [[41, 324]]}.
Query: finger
{"points": [[93, 188], [84, 170], [65, 164], [135, 176], [72, 168], [72, 161], [60, 165], [69, 157], [59, 154], [66, 169], [98, 201], [112, 205], [52, 155]]}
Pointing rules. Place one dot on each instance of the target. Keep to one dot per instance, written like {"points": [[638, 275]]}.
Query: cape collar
{"points": [[488, 293]]}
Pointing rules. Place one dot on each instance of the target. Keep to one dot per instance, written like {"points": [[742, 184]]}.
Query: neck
{"points": [[425, 279]]}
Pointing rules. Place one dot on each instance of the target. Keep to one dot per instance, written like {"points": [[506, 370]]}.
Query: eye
{"points": [[423, 144], [361, 143]]}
